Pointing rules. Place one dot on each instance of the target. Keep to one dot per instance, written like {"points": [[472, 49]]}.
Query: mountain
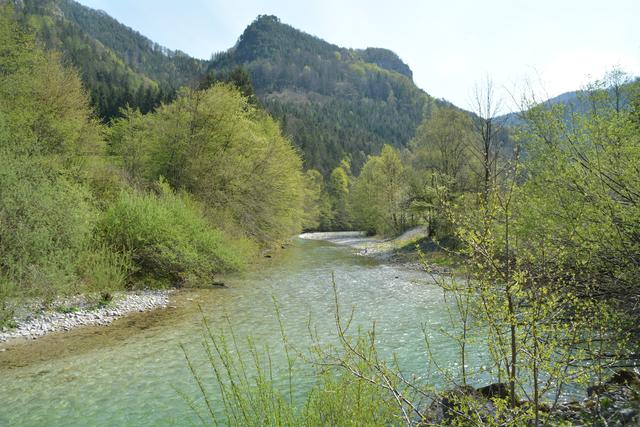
{"points": [[171, 68], [334, 102], [118, 65], [582, 101], [572, 101]]}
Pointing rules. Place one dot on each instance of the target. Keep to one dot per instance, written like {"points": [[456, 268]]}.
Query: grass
{"points": [[66, 309], [237, 385]]}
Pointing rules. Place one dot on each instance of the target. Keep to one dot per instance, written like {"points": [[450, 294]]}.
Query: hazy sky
{"points": [[450, 45]]}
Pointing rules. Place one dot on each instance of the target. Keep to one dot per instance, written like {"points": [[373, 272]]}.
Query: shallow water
{"points": [[132, 373]]}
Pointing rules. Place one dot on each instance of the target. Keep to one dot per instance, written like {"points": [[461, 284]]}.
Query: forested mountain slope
{"points": [[172, 68], [118, 65], [334, 102]]}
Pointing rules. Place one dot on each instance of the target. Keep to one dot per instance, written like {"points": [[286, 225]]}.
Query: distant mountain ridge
{"points": [[577, 101]]}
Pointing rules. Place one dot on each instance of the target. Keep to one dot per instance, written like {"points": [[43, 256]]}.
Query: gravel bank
{"points": [[390, 251], [382, 249], [35, 321]]}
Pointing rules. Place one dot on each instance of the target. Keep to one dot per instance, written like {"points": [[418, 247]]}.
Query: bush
{"points": [[104, 269], [46, 223], [170, 241]]}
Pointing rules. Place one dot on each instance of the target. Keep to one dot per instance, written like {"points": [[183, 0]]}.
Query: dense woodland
{"points": [[333, 102], [118, 66], [126, 165]]}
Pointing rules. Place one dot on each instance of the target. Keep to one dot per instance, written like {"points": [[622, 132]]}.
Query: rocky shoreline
{"points": [[36, 320], [614, 402]]}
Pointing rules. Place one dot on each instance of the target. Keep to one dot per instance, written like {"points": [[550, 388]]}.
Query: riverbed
{"points": [[133, 372]]}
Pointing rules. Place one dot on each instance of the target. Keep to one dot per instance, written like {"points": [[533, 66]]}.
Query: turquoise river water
{"points": [[134, 371]]}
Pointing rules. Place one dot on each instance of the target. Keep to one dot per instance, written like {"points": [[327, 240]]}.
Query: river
{"points": [[132, 372]]}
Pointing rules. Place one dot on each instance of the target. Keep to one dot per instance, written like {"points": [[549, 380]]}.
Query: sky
{"points": [[451, 45]]}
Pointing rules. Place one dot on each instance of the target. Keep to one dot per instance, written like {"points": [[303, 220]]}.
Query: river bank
{"points": [[400, 250], [36, 319]]}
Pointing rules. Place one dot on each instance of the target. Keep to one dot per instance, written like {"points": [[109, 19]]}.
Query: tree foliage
{"points": [[380, 194], [443, 145], [583, 189], [230, 155]]}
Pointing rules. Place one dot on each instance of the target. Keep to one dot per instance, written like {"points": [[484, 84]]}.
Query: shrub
{"points": [[105, 269], [46, 223], [170, 241]]}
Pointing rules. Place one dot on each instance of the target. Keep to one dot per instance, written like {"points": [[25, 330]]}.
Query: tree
{"points": [[584, 176], [380, 194], [367, 209], [552, 250], [338, 189], [230, 155], [317, 206], [488, 130], [443, 144], [44, 116], [239, 77]]}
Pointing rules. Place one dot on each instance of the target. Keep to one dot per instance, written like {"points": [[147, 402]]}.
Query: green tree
{"points": [[47, 115], [338, 189], [548, 254], [239, 77], [380, 201], [230, 155], [583, 189], [443, 145], [317, 206]]}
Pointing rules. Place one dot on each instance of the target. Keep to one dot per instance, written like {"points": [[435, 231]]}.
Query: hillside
{"points": [[118, 65], [334, 102], [171, 68]]}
